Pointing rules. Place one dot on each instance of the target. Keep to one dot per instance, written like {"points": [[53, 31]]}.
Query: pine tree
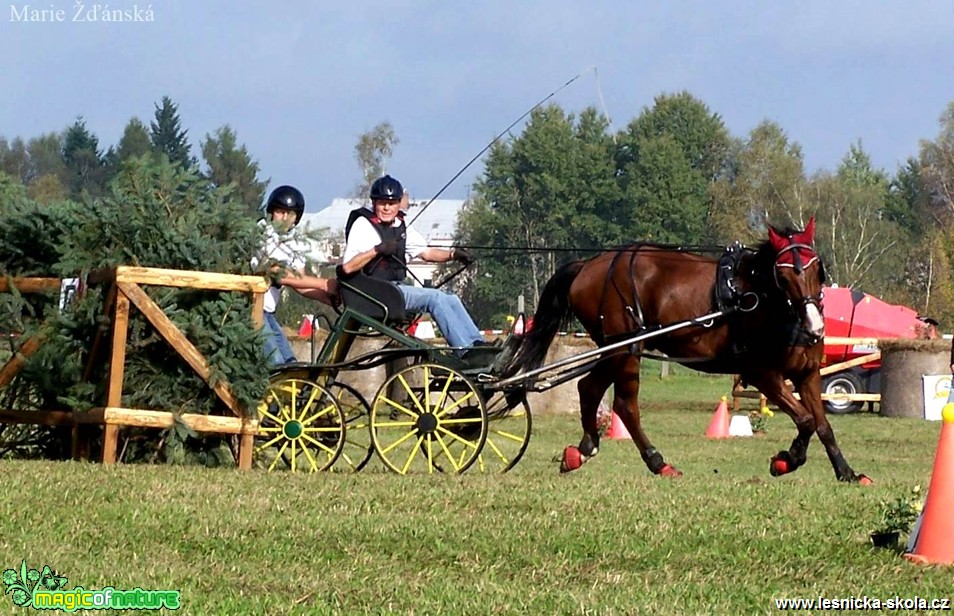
{"points": [[135, 141], [86, 169], [231, 165], [155, 214], [168, 136]]}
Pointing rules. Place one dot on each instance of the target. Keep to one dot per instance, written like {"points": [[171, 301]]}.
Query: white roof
{"points": [[436, 224]]}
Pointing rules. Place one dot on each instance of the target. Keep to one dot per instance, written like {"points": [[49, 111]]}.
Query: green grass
{"points": [[607, 539]]}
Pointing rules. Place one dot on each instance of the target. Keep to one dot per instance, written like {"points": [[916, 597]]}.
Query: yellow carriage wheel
{"points": [[357, 450], [433, 420], [509, 425], [301, 427]]}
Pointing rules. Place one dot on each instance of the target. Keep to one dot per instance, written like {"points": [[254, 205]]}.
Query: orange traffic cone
{"points": [[617, 428], [719, 426], [935, 542]]}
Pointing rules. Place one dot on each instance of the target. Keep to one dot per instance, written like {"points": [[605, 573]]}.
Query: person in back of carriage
{"points": [[284, 257], [379, 243]]}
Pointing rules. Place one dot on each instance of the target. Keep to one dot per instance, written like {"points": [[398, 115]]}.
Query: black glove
{"points": [[464, 256], [387, 248]]}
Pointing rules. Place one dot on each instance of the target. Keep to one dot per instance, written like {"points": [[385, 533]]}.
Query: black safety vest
{"points": [[384, 268]]}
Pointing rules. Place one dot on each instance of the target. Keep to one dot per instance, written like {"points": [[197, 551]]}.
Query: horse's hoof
{"points": [[782, 464], [864, 480], [779, 467], [572, 459], [670, 471]]}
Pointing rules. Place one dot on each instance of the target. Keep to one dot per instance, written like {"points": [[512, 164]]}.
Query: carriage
{"points": [[434, 412], [756, 313]]}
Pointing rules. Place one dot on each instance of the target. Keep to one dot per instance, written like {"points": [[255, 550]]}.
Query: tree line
{"points": [[567, 184], [676, 175], [71, 164]]}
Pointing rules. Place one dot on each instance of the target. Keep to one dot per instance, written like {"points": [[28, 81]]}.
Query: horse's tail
{"points": [[553, 313]]}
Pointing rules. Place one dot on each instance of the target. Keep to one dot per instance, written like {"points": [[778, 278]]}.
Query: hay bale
{"points": [[903, 364]]}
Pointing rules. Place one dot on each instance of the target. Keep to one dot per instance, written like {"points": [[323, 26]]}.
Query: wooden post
{"points": [[117, 358], [258, 309], [117, 366], [110, 443], [79, 449], [246, 446]]}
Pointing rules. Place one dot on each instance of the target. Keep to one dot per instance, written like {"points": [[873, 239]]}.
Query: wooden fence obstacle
{"points": [[125, 291], [741, 392]]}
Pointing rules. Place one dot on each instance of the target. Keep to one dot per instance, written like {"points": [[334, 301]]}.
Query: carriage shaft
{"points": [[524, 377]]}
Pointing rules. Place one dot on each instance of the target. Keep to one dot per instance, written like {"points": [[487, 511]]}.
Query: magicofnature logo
{"points": [[45, 590], [25, 582]]}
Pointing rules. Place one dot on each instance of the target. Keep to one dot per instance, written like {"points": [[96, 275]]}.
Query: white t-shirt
{"points": [[364, 237], [284, 248]]}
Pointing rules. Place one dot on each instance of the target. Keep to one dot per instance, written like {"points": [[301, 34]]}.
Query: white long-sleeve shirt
{"points": [[282, 248]]}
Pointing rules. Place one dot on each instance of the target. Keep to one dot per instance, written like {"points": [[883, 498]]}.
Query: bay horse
{"points": [[771, 330]]}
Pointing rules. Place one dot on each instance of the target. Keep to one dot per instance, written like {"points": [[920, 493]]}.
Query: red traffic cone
{"points": [[617, 428], [719, 426], [935, 542], [304, 330]]}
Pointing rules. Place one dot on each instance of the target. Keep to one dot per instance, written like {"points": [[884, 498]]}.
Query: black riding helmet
{"points": [[288, 198], [387, 188]]}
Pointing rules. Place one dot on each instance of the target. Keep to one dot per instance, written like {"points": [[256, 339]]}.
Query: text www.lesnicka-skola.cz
{"points": [[864, 603]]}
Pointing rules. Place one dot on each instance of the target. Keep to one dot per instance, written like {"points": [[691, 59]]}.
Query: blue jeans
{"points": [[277, 348], [447, 309]]}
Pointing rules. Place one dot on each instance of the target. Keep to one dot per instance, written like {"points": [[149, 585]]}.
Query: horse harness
{"points": [[728, 296]]}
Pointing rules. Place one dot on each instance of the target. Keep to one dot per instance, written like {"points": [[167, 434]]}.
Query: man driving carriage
{"points": [[379, 244]]}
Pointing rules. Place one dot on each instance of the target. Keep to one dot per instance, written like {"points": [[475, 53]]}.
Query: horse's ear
{"points": [[808, 235], [777, 241]]}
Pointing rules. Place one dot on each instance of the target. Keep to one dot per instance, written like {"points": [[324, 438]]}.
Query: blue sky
{"points": [[300, 81]]}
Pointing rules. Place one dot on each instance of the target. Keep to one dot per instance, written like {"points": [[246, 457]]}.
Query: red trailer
{"points": [[850, 313]]}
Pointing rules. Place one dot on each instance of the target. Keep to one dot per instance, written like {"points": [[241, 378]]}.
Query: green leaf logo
{"points": [[24, 584], [10, 577]]}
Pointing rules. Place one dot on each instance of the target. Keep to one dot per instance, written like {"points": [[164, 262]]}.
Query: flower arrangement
{"points": [[899, 514], [759, 420]]}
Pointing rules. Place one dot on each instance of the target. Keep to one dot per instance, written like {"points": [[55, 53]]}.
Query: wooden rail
{"points": [[125, 292], [739, 392]]}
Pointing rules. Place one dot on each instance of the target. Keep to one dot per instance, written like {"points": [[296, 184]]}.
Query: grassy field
{"points": [[609, 539]]}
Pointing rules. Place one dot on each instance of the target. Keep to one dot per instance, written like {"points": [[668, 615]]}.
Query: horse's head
{"points": [[799, 274]]}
